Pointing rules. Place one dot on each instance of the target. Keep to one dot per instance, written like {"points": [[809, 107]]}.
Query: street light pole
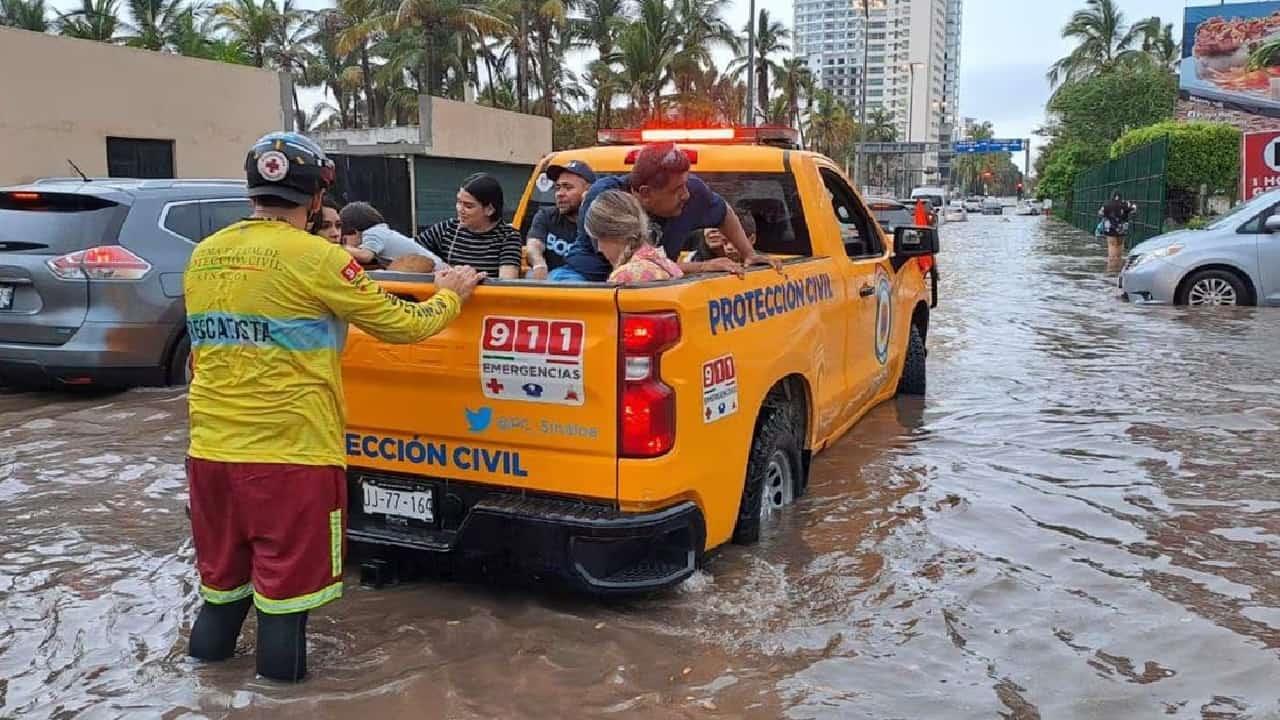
{"points": [[911, 97], [751, 66]]}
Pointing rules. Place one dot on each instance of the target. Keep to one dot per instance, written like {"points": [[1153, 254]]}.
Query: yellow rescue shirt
{"points": [[267, 307]]}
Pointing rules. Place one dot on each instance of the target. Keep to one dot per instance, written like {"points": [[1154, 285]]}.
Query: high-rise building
{"points": [[912, 53]]}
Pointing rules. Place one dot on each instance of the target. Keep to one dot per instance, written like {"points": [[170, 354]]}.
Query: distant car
{"points": [[91, 277], [1026, 208], [955, 212], [973, 205], [891, 213], [1235, 260], [992, 206]]}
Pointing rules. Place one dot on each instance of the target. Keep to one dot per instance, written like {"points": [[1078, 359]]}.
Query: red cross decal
{"points": [[273, 165], [494, 386]]}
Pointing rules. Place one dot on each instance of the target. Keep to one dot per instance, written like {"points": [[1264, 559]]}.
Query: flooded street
{"points": [[1081, 520]]}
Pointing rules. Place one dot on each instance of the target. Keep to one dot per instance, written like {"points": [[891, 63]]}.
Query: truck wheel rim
{"points": [[779, 485], [1212, 291]]}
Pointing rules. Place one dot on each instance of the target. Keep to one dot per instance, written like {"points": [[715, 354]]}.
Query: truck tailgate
{"points": [[520, 391]]}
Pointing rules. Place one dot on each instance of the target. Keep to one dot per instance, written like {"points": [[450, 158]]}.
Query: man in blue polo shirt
{"points": [[677, 202]]}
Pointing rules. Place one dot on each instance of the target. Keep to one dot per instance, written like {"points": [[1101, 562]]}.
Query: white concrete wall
{"points": [[61, 98]]}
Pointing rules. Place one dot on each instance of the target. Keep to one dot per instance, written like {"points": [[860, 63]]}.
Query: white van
{"points": [[936, 196]]}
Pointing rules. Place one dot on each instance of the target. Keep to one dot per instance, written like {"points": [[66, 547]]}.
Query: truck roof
{"points": [[612, 159]]}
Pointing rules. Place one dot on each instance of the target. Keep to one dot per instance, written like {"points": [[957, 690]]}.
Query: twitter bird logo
{"points": [[478, 420]]}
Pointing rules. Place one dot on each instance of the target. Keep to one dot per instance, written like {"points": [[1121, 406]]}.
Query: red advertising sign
{"points": [[1259, 164]]}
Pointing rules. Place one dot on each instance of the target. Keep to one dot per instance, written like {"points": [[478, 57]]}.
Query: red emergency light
{"points": [[768, 135]]}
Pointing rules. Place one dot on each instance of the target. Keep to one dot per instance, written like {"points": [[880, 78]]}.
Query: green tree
{"points": [[795, 83], [289, 49], [1103, 40], [249, 23], [771, 40], [646, 51], [24, 15], [153, 23], [438, 22], [359, 24], [94, 20], [1101, 108]]}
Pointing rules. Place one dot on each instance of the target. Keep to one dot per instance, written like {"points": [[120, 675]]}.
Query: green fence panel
{"points": [[1138, 176]]}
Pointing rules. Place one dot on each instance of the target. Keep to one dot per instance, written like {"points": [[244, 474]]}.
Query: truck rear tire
{"points": [[913, 370], [774, 473]]}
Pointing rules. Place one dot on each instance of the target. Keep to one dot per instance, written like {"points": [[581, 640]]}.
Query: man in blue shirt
{"points": [[677, 202]]}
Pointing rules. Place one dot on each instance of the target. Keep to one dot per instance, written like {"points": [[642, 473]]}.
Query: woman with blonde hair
{"points": [[619, 226]]}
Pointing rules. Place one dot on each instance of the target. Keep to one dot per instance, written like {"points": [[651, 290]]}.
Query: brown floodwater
{"points": [[1081, 520]]}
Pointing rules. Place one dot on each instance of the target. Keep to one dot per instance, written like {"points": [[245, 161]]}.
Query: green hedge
{"points": [[1200, 153]]}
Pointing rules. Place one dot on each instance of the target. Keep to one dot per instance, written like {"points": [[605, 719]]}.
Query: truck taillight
{"points": [[646, 405], [109, 262]]}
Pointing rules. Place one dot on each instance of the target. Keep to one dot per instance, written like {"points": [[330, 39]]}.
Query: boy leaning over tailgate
{"points": [[267, 307]]}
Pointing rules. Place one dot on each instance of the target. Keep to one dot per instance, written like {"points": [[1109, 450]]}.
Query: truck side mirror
{"points": [[914, 241], [1272, 223]]}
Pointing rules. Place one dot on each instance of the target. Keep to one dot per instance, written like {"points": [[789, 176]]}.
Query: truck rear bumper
{"points": [[593, 546]]}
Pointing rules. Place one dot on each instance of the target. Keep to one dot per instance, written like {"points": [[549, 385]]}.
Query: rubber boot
{"points": [[213, 637], [282, 646]]}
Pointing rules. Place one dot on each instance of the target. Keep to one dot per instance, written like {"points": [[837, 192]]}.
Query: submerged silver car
{"points": [[91, 277], [1235, 260]]}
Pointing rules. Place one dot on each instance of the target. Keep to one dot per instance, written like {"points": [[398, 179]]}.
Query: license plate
{"points": [[416, 505], [6, 297]]}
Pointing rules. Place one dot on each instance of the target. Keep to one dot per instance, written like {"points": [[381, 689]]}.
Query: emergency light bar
{"points": [[776, 136]]}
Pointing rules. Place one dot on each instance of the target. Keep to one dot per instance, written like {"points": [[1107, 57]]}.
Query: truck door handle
{"points": [[866, 291]]}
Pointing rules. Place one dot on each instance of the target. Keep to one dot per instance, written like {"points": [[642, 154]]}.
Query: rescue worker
{"points": [[266, 309]]}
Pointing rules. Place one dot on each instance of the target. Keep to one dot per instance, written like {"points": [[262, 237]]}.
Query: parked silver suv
{"points": [[91, 277]]}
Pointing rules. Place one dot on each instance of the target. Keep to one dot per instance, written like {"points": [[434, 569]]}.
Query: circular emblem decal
{"points": [[544, 183], [884, 315], [273, 166]]}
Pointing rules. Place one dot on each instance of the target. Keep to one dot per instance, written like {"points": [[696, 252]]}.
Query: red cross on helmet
{"points": [[288, 165]]}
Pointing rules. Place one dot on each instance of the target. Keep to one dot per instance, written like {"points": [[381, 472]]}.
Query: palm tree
{"points": [[358, 24], [1158, 42], [330, 68], [24, 15], [289, 49], [95, 20], [439, 21], [250, 24], [554, 37], [154, 23], [646, 51], [830, 127], [604, 83], [1103, 40], [771, 36], [881, 126], [795, 82]]}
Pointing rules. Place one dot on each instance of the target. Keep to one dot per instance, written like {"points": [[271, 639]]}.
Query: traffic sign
{"points": [[989, 146], [1259, 163]]}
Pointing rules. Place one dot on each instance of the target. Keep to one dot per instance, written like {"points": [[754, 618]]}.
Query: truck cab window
{"points": [[860, 240]]}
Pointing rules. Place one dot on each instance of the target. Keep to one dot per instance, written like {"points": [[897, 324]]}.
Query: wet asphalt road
{"points": [[1081, 520]]}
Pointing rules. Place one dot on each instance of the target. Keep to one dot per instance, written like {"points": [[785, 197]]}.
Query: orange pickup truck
{"points": [[613, 435]]}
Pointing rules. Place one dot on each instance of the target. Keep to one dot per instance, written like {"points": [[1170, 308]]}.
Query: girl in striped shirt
{"points": [[477, 236]]}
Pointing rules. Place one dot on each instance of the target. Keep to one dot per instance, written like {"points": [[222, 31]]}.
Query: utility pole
{"points": [[751, 66], [859, 159]]}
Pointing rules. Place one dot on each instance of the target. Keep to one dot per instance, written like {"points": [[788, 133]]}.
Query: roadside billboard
{"points": [[1231, 55], [1259, 164]]}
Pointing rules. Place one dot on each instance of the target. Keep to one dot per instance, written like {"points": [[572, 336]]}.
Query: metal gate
{"points": [[1138, 176], [382, 181]]}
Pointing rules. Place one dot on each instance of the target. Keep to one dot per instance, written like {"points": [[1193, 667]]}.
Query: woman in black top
{"points": [[1115, 224], [477, 236]]}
